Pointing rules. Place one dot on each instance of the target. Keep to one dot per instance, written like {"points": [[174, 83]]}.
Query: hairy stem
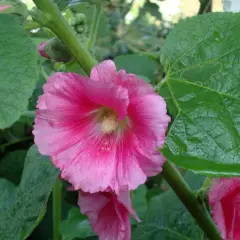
{"points": [[57, 210], [95, 23], [186, 195], [54, 20]]}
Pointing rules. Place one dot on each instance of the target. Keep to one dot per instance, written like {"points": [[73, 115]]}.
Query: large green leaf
{"points": [[18, 219], [76, 226], [167, 218], [202, 88], [11, 166], [18, 70]]}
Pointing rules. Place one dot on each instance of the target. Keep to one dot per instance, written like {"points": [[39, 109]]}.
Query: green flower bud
{"points": [[55, 49]]}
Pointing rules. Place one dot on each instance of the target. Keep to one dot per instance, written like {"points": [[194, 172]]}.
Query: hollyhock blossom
{"points": [[224, 197], [108, 214], [101, 132]]}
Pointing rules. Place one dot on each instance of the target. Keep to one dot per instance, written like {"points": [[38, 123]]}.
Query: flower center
{"points": [[109, 123]]}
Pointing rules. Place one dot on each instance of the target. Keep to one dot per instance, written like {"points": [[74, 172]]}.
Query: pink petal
{"points": [[137, 87], [128, 171], [125, 199], [149, 118], [62, 115], [104, 71], [66, 129], [108, 216], [91, 165], [224, 197], [109, 95], [137, 154], [221, 188]]}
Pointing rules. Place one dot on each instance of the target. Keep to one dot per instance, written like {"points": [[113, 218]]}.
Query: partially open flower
{"points": [[101, 132], [224, 197], [108, 214]]}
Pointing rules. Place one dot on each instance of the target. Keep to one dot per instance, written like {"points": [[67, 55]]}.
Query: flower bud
{"points": [[41, 49], [54, 49]]}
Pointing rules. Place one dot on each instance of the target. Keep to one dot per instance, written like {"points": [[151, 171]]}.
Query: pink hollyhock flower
{"points": [[224, 197], [101, 132], [108, 214], [4, 7], [41, 49]]}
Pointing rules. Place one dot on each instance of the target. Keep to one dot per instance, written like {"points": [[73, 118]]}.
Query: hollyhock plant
{"points": [[224, 197], [101, 132], [108, 214]]}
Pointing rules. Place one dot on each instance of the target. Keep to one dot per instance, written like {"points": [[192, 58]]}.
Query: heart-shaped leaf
{"points": [[202, 89]]}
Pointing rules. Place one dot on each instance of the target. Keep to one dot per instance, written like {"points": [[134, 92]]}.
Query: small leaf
{"points": [[19, 218], [167, 218], [202, 90], [18, 70], [76, 225]]}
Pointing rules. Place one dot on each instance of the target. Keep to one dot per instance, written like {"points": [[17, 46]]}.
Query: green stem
{"points": [[57, 210], [54, 20], [186, 195], [95, 23], [203, 6]]}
